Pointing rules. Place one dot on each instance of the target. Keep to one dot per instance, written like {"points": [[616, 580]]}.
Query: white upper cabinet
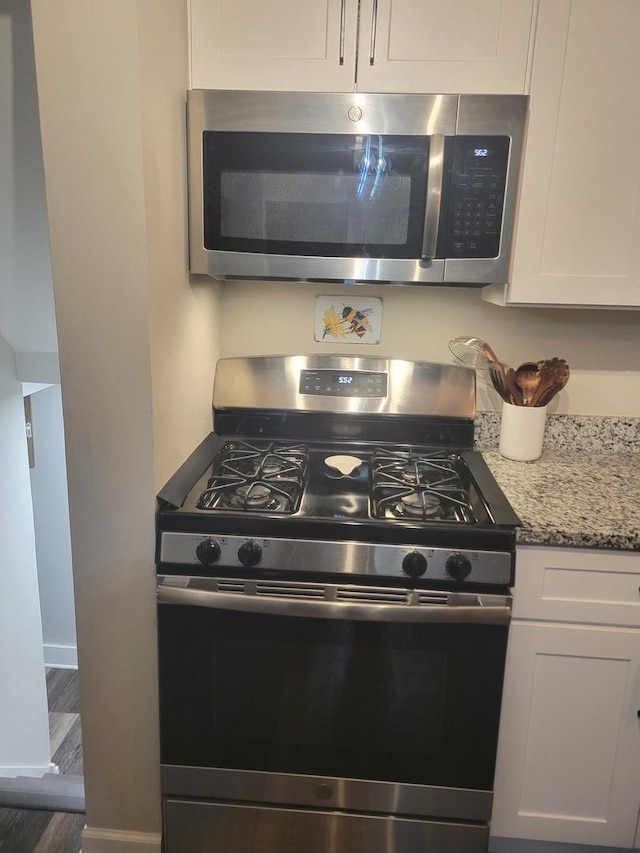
{"points": [[436, 46], [399, 45], [578, 233], [288, 45]]}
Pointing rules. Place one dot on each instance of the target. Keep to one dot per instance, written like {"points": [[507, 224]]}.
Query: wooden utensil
{"points": [[514, 389], [488, 353], [553, 372], [548, 396], [497, 374], [527, 377], [500, 375]]}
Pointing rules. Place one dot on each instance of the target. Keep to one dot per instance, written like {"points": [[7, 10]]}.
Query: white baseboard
{"points": [[97, 840], [35, 770], [60, 657]]}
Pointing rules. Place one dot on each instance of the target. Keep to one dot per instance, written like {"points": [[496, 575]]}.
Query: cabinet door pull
{"points": [[374, 23], [343, 11]]}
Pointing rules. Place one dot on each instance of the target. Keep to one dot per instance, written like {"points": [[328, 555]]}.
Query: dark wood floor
{"points": [[38, 831], [31, 831], [64, 720]]}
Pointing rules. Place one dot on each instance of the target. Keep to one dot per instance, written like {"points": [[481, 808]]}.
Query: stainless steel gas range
{"points": [[334, 569]]}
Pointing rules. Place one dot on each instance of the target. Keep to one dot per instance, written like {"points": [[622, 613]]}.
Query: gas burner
{"points": [[257, 478], [254, 496], [269, 460], [419, 485], [273, 466], [409, 472], [419, 505], [418, 472]]}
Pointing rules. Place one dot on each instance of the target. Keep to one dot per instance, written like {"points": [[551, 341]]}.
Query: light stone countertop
{"points": [[583, 492], [573, 498]]}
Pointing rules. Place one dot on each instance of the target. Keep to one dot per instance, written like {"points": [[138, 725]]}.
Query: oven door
{"points": [[378, 700]]}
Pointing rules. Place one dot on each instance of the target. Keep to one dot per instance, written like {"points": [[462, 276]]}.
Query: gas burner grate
{"points": [[418, 486], [264, 478]]}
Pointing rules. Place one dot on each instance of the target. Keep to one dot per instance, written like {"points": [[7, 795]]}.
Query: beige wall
{"points": [[137, 348], [182, 318], [26, 292], [602, 347]]}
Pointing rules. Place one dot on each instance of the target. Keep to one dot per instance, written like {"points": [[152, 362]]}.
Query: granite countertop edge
{"points": [[573, 498], [529, 535]]}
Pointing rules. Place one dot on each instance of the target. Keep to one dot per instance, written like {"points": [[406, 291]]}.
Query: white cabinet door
{"points": [[568, 765], [405, 46], [454, 46], [297, 45], [578, 235]]}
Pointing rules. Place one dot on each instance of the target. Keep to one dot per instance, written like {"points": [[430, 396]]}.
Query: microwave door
{"points": [[322, 206], [353, 187]]}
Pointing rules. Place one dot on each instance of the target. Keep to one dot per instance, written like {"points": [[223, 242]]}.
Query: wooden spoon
{"points": [[551, 392], [514, 389], [527, 377], [553, 371]]}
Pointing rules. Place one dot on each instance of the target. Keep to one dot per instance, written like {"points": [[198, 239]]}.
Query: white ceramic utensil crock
{"points": [[522, 432]]}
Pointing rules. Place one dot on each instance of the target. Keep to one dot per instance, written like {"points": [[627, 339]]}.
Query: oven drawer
{"points": [[197, 827]]}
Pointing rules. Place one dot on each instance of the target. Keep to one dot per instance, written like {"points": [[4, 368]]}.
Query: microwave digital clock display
{"points": [[347, 383]]}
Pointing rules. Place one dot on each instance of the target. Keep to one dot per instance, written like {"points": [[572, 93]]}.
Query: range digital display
{"points": [[347, 383]]}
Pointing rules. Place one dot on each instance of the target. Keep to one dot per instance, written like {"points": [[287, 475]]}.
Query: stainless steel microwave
{"points": [[394, 188]]}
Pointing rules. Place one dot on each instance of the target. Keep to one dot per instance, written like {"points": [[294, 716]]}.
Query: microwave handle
{"points": [[167, 593], [434, 196], [343, 9]]}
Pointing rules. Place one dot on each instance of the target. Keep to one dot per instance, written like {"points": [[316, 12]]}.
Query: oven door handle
{"points": [[475, 612]]}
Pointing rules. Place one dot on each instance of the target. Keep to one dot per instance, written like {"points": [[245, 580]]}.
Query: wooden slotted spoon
{"points": [[554, 375], [551, 392]]}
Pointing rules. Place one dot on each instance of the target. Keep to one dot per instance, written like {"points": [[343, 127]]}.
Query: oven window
{"points": [[408, 703], [314, 194]]}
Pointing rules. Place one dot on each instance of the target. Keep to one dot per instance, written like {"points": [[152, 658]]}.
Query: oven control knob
{"points": [[249, 554], [208, 552], [414, 564], [458, 567]]}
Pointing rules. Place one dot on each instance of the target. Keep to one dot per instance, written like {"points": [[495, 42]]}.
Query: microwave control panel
{"points": [[476, 199]]}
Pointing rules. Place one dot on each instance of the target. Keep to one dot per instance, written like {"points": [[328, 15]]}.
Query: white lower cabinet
{"points": [[568, 766]]}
